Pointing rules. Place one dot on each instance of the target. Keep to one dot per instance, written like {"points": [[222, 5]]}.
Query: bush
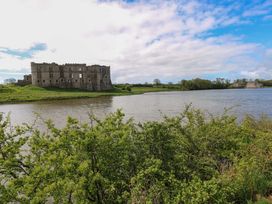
{"points": [[190, 158]]}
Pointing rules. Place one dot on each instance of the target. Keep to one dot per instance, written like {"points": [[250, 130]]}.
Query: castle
{"points": [[81, 76]]}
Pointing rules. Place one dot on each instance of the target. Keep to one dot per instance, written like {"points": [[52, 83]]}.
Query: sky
{"points": [[141, 40]]}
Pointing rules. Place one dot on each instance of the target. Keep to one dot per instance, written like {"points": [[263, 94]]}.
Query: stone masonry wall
{"points": [[81, 76], [26, 81]]}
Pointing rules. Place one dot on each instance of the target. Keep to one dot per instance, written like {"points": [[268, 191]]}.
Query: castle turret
{"points": [[34, 73]]}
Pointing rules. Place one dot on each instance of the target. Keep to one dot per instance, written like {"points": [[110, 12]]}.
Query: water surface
{"points": [[149, 106]]}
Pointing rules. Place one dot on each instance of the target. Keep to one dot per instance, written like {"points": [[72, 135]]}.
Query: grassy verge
{"points": [[16, 94]]}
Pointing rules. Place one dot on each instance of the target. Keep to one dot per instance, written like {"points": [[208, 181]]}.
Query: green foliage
{"points": [[126, 87], [267, 83], [202, 84], [190, 158], [156, 82]]}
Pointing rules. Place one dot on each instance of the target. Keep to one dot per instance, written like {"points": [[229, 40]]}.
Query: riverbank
{"points": [[18, 94]]}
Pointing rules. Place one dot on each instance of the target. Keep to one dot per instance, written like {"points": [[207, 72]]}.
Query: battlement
{"points": [[74, 64], [43, 63]]}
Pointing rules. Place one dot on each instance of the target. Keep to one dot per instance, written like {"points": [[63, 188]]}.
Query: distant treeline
{"points": [[266, 83], [197, 84], [200, 84]]}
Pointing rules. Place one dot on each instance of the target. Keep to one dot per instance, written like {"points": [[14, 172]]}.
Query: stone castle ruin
{"points": [[27, 80], [80, 76]]}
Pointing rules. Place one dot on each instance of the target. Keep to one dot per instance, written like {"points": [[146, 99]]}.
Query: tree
{"points": [[156, 82], [10, 81], [221, 83]]}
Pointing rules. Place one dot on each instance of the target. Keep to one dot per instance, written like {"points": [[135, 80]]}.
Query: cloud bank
{"points": [[140, 40]]}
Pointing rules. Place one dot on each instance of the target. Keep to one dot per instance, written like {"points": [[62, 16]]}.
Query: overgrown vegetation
{"points": [[190, 158]]}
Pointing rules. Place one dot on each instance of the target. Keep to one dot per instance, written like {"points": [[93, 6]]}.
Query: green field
{"points": [[16, 94]]}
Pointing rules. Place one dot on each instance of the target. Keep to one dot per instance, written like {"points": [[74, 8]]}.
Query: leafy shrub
{"points": [[189, 158], [126, 88]]}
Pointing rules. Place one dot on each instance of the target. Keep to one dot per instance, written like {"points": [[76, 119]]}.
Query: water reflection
{"points": [[58, 110], [148, 106]]}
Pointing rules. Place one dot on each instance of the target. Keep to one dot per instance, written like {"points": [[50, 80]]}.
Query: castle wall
{"points": [[81, 76], [26, 81]]}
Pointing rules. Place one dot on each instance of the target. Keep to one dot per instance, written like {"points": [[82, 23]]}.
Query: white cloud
{"points": [[268, 17], [260, 9], [262, 69], [140, 41], [269, 53]]}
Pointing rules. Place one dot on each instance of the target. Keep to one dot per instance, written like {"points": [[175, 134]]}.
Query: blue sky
{"points": [[140, 40], [26, 53]]}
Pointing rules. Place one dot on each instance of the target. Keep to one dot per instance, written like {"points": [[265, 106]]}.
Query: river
{"points": [[149, 106]]}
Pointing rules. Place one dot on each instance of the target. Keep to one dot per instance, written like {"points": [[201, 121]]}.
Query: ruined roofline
{"points": [[74, 64], [44, 63], [94, 65], [68, 64], [53, 63]]}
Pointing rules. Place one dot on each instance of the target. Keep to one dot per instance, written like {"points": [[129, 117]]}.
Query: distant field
{"points": [[16, 94], [149, 89]]}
